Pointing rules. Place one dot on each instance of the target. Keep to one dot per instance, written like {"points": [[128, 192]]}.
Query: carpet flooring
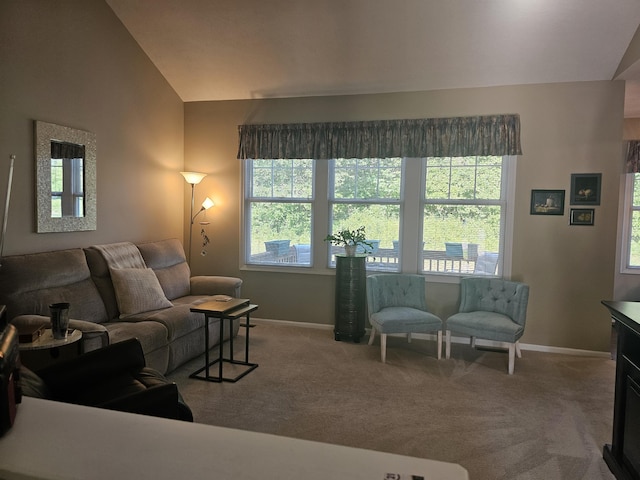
{"points": [[548, 421]]}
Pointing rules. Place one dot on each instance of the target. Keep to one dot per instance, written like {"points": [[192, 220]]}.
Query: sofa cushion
{"points": [[166, 258], [152, 335], [178, 320], [29, 283], [102, 279], [137, 290]]}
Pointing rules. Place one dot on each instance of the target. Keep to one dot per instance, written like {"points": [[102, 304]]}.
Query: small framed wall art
{"points": [[585, 188], [581, 216], [547, 202]]}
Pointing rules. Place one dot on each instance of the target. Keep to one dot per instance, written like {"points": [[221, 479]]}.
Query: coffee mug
{"points": [[59, 319]]}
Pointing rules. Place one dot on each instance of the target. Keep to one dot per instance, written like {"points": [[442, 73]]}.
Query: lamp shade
{"points": [[193, 177], [207, 204]]}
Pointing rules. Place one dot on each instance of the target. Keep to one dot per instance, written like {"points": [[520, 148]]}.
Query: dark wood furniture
{"points": [[351, 277], [623, 454]]}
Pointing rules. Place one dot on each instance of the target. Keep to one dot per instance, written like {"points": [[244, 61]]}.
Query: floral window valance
{"points": [[633, 157], [430, 137]]}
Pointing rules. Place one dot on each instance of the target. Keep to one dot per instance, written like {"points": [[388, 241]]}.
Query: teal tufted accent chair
{"points": [[492, 309], [397, 304]]}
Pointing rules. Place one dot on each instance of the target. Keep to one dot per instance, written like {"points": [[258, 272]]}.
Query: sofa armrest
{"points": [[94, 335], [215, 285], [63, 378]]}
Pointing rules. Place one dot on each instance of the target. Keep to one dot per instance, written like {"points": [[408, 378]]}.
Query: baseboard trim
{"points": [[479, 342]]}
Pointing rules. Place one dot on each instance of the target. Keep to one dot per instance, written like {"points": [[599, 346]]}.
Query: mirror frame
{"points": [[44, 134]]}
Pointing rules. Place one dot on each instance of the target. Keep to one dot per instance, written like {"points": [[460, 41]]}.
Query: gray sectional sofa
{"points": [[111, 304]]}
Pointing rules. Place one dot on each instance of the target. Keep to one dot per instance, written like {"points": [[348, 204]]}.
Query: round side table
{"points": [[45, 349]]}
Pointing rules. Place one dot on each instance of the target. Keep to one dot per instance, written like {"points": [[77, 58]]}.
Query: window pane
{"points": [[280, 233], [382, 224], [57, 175], [56, 206], [367, 178], [281, 178], [636, 189], [633, 259], [77, 176], [262, 179], [463, 184], [470, 231], [634, 241], [437, 185], [488, 182], [79, 206], [463, 178]]}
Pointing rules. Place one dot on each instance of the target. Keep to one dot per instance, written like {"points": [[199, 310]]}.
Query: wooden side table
{"points": [[45, 349]]}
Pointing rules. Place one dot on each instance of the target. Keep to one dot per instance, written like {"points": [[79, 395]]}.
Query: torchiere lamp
{"points": [[193, 178]]}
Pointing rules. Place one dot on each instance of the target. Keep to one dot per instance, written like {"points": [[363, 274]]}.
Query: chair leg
{"points": [[518, 352], [447, 344], [383, 347], [439, 344], [473, 342], [409, 337], [372, 336], [512, 357]]}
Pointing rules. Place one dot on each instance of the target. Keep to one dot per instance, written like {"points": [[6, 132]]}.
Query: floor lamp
{"points": [[193, 178]]}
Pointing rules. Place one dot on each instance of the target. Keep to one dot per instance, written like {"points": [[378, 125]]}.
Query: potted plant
{"points": [[350, 240]]}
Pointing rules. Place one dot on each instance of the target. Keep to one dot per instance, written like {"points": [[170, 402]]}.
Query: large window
{"points": [[463, 214], [278, 211], [631, 225], [368, 192], [442, 215]]}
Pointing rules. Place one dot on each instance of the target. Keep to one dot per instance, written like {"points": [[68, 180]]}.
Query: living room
{"points": [[95, 77]]}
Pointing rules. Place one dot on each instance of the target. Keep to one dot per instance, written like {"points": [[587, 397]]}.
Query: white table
{"points": [[51, 440]]}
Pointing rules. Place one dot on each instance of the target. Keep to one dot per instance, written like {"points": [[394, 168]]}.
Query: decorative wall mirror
{"points": [[65, 179]]}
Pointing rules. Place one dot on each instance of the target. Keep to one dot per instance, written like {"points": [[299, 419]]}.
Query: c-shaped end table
{"points": [[225, 310]]}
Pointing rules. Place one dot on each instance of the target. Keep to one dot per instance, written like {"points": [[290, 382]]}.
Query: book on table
{"points": [[218, 306]]}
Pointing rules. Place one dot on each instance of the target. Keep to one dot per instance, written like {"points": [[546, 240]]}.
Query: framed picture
{"points": [[547, 202], [581, 216], [585, 188]]}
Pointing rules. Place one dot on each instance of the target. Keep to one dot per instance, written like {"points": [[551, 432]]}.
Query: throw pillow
{"points": [[137, 290]]}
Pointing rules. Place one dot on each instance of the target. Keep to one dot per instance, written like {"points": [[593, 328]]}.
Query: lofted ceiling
{"points": [[241, 49]]}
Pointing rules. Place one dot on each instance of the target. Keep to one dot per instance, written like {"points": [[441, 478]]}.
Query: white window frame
{"points": [[365, 201], [628, 209], [506, 201], [412, 195], [245, 231]]}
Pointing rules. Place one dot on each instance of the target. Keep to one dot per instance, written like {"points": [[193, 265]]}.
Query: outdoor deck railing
{"points": [[384, 259]]}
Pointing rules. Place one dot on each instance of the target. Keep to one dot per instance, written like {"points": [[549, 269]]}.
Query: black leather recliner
{"points": [[114, 377]]}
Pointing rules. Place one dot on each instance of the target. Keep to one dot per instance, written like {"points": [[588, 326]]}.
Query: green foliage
{"points": [[274, 221], [349, 237], [456, 189]]}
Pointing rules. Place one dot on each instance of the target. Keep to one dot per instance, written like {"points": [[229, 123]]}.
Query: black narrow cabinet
{"points": [[623, 454], [350, 297]]}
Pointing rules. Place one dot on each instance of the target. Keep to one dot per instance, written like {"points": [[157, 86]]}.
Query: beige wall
{"points": [[95, 77], [566, 128], [74, 64]]}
